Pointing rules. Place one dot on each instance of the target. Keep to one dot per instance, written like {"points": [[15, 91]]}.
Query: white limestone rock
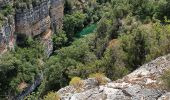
{"points": [[142, 84]]}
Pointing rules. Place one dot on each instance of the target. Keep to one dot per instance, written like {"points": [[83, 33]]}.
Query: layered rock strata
{"points": [[56, 14], [7, 37], [34, 21]]}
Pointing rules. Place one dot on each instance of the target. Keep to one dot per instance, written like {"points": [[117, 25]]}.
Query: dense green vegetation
{"points": [[125, 35], [4, 12], [166, 82], [23, 65], [87, 30]]}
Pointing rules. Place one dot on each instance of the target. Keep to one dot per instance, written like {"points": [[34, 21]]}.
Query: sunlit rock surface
{"points": [[32, 22], [142, 84], [7, 38]]}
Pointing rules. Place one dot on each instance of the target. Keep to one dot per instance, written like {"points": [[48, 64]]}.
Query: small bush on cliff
{"points": [[59, 39], [77, 83], [1, 19], [7, 9], [100, 77], [166, 80], [52, 96]]}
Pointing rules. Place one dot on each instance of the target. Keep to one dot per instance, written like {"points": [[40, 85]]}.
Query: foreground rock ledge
{"points": [[142, 84]]}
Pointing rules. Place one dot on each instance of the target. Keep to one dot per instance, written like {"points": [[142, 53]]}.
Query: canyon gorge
{"points": [[41, 20], [84, 50]]}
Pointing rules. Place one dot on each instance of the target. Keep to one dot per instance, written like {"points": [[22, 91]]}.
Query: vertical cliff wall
{"points": [[33, 21], [7, 38], [56, 14], [41, 20], [7, 28]]}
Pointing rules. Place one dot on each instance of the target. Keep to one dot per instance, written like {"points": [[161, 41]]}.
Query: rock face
{"points": [[37, 20], [7, 38], [165, 96], [33, 21], [142, 84], [56, 14]]}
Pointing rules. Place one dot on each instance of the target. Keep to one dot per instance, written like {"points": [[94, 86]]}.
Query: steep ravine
{"points": [[30, 89], [43, 19], [142, 84]]}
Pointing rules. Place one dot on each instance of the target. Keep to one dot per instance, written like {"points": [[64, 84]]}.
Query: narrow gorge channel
{"points": [[39, 78]]}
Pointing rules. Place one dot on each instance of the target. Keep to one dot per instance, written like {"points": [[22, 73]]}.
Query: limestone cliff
{"points": [[7, 38], [37, 20], [33, 21], [142, 84]]}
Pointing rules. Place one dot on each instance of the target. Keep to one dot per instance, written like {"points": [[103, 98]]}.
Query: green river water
{"points": [[87, 30]]}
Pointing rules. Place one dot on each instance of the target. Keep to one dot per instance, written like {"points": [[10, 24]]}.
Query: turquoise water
{"points": [[87, 30]]}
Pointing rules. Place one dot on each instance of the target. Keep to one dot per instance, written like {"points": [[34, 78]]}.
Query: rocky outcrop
{"points": [[37, 20], [7, 28], [46, 38], [56, 14], [7, 38], [142, 84], [33, 21], [165, 96]]}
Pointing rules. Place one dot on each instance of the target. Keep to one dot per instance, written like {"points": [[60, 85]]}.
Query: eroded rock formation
{"points": [[33, 21], [142, 84], [43, 19], [7, 38]]}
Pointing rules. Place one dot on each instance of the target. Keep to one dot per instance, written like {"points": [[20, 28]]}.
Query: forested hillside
{"points": [[94, 38]]}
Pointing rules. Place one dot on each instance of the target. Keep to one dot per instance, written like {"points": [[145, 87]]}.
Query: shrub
{"points": [[7, 10], [73, 24], [100, 77], [77, 83], [52, 96], [166, 80], [59, 39], [32, 96]]}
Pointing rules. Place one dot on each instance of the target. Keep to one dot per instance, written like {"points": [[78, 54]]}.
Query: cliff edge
{"points": [[142, 84]]}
